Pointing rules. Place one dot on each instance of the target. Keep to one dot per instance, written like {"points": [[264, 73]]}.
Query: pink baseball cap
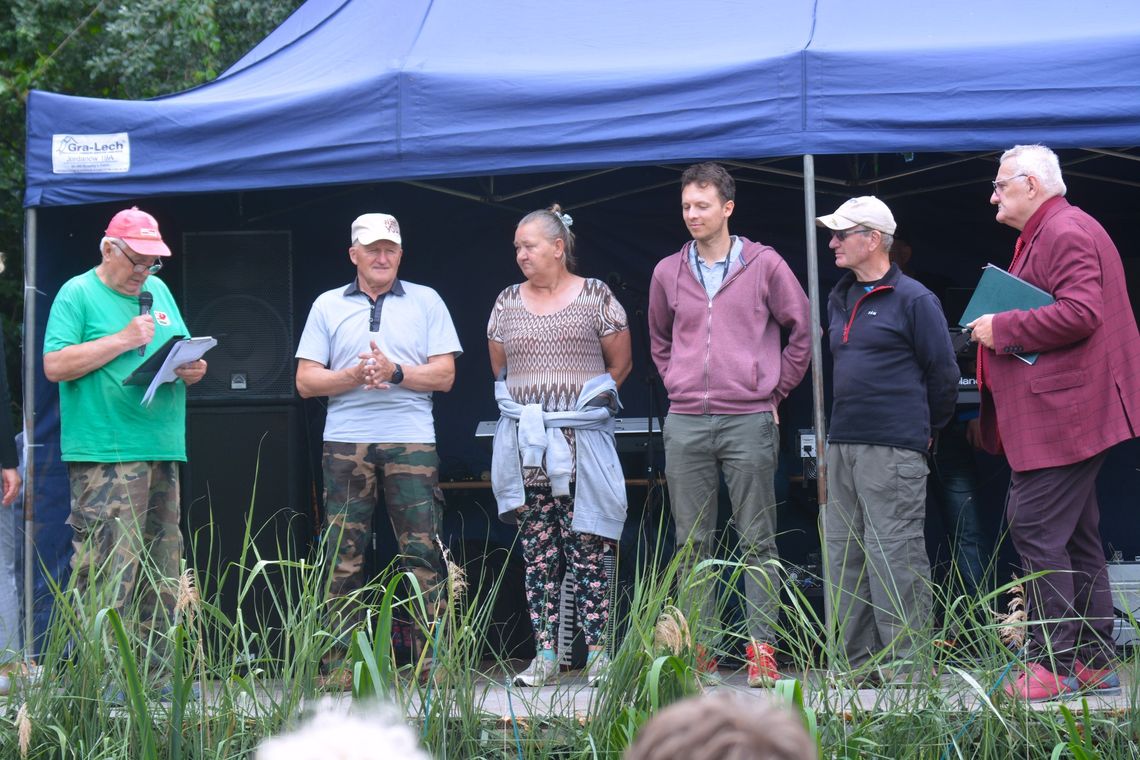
{"points": [[139, 230]]}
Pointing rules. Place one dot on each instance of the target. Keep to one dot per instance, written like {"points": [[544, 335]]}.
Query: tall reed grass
{"points": [[99, 694]]}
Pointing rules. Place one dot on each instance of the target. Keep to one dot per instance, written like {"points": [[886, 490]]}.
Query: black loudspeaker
{"points": [[238, 288], [244, 467]]}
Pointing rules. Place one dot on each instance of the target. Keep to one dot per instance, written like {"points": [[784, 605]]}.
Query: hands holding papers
{"points": [[179, 358], [185, 361], [191, 372]]}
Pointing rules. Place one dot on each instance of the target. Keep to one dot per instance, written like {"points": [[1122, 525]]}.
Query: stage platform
{"points": [[570, 697]]}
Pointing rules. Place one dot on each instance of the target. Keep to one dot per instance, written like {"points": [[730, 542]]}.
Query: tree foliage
{"points": [[131, 49]]}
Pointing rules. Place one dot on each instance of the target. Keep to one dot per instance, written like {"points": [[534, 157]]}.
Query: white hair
{"points": [[1040, 162], [376, 734]]}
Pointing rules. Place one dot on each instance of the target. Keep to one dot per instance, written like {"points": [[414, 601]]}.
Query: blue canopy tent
{"points": [[347, 92], [353, 91]]}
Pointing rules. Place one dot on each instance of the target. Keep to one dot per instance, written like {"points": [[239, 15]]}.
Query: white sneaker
{"points": [[596, 670], [538, 672]]}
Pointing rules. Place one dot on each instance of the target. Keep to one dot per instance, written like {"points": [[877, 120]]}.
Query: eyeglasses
{"points": [[139, 268], [999, 184], [842, 235]]}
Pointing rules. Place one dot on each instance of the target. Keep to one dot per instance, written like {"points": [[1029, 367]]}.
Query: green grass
{"points": [[259, 674]]}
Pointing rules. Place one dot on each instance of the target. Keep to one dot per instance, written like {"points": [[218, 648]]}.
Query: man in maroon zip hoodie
{"points": [[716, 311], [894, 382]]}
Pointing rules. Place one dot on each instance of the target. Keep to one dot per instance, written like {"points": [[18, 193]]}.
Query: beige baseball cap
{"points": [[866, 210], [368, 228]]}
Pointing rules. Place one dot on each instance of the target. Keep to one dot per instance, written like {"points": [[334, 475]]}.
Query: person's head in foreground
{"points": [[374, 734], [724, 727]]}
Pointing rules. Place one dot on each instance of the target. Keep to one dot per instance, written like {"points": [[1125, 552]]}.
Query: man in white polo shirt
{"points": [[378, 348]]}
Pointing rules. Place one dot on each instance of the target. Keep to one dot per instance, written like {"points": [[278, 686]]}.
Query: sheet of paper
{"points": [[183, 352]]}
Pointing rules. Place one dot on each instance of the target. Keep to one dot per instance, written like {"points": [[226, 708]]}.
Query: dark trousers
{"points": [[1054, 521]]}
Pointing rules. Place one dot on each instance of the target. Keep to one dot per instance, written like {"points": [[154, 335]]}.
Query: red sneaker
{"points": [[761, 665], [1038, 683], [1102, 680], [706, 663]]}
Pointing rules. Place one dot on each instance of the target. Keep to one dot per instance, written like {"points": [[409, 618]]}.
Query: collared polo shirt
{"points": [[412, 324], [712, 277]]}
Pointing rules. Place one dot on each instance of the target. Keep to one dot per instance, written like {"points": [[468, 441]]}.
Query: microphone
{"points": [[146, 300]]}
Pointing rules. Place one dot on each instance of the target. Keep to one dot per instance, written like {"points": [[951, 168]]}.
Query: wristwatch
{"points": [[397, 375]]}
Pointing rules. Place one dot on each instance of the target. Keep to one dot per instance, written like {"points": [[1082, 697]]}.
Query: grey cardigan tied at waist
{"points": [[526, 434]]}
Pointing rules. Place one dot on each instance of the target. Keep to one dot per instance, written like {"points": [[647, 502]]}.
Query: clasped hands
{"points": [[375, 369]]}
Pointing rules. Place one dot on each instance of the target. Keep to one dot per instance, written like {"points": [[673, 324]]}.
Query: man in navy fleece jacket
{"points": [[895, 382]]}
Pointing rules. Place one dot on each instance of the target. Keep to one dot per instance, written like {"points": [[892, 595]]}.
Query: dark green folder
{"points": [[999, 291]]}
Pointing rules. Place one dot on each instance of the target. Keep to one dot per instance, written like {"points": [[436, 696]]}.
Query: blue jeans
{"points": [[955, 482], [9, 592]]}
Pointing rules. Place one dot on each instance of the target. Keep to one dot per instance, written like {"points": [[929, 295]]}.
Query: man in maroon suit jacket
{"points": [[1056, 418]]}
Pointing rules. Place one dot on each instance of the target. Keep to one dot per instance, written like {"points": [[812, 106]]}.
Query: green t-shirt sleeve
{"points": [[65, 321]]}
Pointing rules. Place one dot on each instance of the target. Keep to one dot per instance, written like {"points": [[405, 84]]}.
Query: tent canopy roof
{"points": [[349, 91]]}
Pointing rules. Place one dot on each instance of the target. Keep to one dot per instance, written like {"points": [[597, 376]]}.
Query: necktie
{"points": [[1018, 247]]}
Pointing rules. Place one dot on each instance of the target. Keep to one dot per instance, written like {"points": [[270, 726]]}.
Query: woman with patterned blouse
{"points": [[549, 337]]}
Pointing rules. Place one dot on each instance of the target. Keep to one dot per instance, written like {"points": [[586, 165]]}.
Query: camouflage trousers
{"points": [[124, 518], [409, 475]]}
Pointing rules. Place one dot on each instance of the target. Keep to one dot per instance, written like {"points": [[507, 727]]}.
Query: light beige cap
{"points": [[866, 210], [368, 228]]}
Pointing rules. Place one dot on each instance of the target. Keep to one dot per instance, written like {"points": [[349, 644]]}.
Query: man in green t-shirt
{"points": [[122, 455]]}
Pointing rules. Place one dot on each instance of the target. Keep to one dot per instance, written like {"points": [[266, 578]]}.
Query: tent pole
{"points": [[816, 330], [829, 632], [29, 404]]}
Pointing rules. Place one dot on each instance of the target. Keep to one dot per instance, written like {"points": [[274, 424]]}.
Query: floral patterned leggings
{"points": [[549, 545]]}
